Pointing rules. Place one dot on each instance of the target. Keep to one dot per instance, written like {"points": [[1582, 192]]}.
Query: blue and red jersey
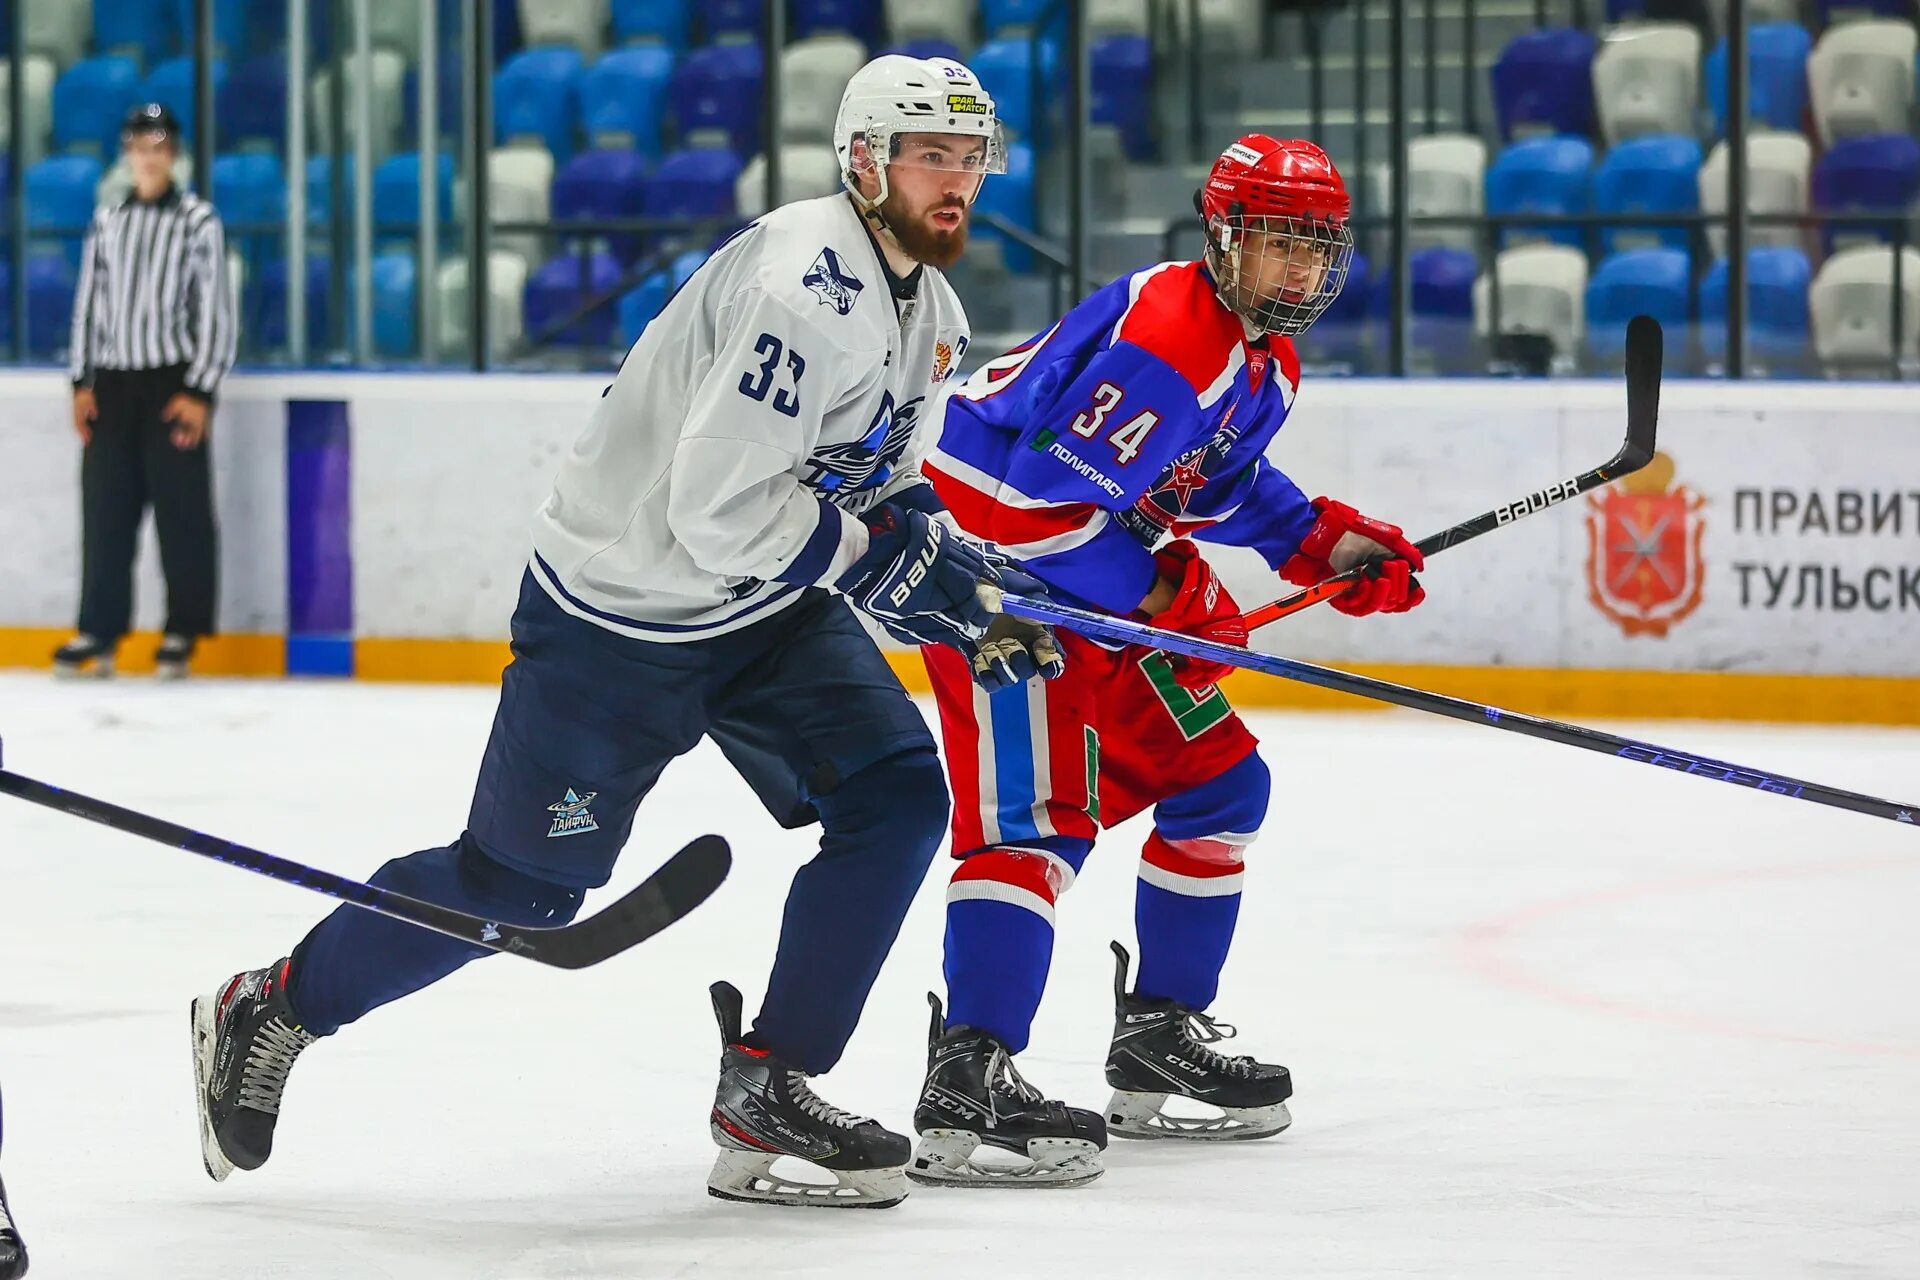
{"points": [[1144, 412]]}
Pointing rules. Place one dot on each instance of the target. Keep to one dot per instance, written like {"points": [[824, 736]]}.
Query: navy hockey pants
{"points": [[802, 704]]}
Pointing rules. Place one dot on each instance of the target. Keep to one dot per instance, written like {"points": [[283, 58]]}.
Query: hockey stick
{"points": [[1643, 413], [686, 880], [1134, 633]]}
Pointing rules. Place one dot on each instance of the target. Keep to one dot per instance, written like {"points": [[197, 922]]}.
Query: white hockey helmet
{"points": [[895, 95]]}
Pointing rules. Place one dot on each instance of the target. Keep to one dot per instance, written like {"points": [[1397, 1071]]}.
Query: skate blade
{"points": [[1143, 1116], [216, 1162], [948, 1158], [91, 669], [747, 1177], [170, 671]]}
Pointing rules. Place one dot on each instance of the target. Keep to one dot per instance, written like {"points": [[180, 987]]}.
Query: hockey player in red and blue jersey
{"points": [[1091, 454]]}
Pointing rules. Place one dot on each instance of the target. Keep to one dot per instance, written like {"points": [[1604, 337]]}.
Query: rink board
{"points": [[1768, 567]]}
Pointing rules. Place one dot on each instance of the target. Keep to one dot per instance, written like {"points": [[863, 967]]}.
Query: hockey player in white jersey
{"points": [[748, 475]]}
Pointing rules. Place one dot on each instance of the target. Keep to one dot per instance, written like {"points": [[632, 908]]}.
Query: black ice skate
{"points": [[1161, 1048], [974, 1099], [764, 1110], [171, 659], [13, 1250], [83, 656], [244, 1043]]}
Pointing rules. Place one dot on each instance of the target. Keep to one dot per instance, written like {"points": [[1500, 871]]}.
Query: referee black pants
{"points": [[132, 463]]}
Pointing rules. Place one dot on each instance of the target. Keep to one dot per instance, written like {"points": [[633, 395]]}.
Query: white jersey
{"points": [[783, 390]]}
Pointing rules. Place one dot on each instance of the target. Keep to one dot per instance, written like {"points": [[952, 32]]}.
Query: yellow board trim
{"points": [[1566, 694]]}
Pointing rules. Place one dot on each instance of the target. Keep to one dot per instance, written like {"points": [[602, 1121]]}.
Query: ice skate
{"points": [[245, 1041]]}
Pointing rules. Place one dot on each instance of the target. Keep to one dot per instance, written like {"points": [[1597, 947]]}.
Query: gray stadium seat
{"points": [[930, 20], [36, 92], [520, 184], [1860, 79], [1116, 18], [805, 172], [1446, 175], [384, 104], [60, 29], [580, 23], [1777, 183], [817, 70], [1542, 290], [506, 314], [1851, 306], [1646, 79], [396, 26]]}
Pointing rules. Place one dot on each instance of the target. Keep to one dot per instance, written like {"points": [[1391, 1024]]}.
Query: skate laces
{"points": [[1004, 1077], [819, 1108], [269, 1058], [1200, 1032]]}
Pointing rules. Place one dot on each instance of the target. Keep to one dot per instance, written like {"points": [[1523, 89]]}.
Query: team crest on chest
{"points": [[830, 280], [843, 471]]}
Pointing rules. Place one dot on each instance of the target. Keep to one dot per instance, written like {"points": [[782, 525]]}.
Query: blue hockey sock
{"points": [[1000, 934]]}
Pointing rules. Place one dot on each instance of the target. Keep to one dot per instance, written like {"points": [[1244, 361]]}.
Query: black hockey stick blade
{"points": [[684, 882], [1643, 360]]}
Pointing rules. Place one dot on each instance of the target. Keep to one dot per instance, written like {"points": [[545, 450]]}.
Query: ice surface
{"points": [[1549, 1015]]}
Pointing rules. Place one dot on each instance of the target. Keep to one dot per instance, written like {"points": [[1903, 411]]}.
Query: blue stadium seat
{"points": [[1543, 83], [623, 99], [734, 21], [639, 306], [1542, 175], [536, 95], [396, 195], [1776, 77], [599, 185], [1011, 195], [694, 184], [253, 103], [240, 27], [171, 83], [1777, 327], [1021, 18], [1655, 282], [861, 19], [667, 22], [60, 202], [1879, 173], [320, 190], [564, 284], [141, 29], [926, 47], [264, 303], [50, 286], [395, 328], [1123, 91], [1654, 173], [1441, 302], [1007, 69], [251, 188], [449, 99], [90, 99], [717, 90]]}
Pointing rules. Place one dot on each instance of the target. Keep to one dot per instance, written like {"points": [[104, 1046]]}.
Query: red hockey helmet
{"points": [[1278, 243]]}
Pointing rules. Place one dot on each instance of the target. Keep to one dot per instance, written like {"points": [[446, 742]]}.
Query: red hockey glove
{"points": [[1201, 607], [1343, 538]]}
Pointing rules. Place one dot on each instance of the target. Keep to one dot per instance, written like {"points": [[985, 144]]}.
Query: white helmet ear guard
{"points": [[894, 96]]}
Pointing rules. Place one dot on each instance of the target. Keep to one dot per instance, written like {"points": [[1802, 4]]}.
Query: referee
{"points": [[153, 334]]}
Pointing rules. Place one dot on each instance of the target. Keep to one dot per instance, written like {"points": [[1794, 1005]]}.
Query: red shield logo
{"points": [[1644, 569]]}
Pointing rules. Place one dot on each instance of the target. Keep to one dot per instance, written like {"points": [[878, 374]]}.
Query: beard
{"points": [[922, 241]]}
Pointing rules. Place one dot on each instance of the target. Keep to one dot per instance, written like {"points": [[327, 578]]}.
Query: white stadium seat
{"points": [[1860, 78], [1116, 18], [520, 182], [930, 20], [1646, 79], [506, 310], [580, 23], [805, 172], [1851, 307], [396, 25], [1542, 290], [384, 104], [37, 97], [60, 29], [1777, 183], [1446, 176], [816, 71]]}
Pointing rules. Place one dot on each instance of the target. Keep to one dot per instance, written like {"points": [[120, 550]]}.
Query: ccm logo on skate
{"points": [[1536, 501], [1709, 769]]}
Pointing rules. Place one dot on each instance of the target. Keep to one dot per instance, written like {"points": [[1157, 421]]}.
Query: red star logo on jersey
{"points": [[1184, 479]]}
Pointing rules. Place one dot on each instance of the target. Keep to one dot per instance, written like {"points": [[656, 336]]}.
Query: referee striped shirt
{"points": [[154, 292]]}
